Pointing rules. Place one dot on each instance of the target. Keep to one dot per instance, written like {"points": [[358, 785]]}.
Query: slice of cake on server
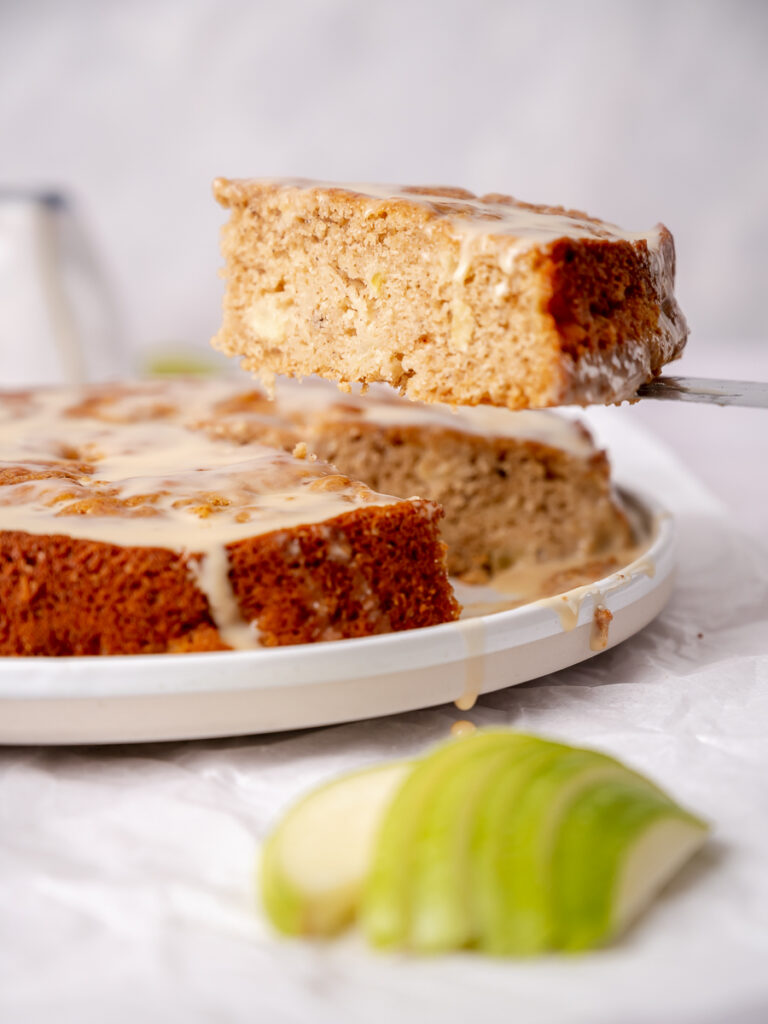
{"points": [[444, 295]]}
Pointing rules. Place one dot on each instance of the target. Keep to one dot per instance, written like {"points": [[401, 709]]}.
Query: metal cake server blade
{"points": [[701, 389]]}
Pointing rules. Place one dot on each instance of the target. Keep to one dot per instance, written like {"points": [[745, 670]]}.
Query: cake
{"points": [[126, 529], [448, 297], [517, 488]]}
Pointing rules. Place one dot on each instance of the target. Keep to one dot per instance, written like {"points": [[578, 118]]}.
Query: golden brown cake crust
{"points": [[447, 296], [66, 596], [345, 578]]}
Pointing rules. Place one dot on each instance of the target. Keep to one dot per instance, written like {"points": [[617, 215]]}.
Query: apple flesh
{"points": [[314, 863]]}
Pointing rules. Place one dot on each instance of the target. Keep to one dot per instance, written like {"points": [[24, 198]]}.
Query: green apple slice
{"points": [[493, 833], [617, 847], [386, 903], [440, 891], [500, 840], [517, 871], [314, 863]]}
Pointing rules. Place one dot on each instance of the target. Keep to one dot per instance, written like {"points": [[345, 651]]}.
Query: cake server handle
{"points": [[701, 389]]}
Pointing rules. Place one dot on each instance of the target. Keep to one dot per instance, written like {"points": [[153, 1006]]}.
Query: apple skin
{"points": [[282, 900], [440, 909], [314, 863], [493, 833], [386, 904], [596, 840], [514, 871]]}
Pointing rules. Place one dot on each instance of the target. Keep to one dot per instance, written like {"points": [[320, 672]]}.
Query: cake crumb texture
{"points": [[447, 296], [516, 487]]}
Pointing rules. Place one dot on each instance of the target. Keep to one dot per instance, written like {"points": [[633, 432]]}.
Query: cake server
{"points": [[701, 389]]}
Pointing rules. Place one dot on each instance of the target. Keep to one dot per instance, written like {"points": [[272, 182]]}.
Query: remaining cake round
{"points": [[517, 488], [124, 529], [447, 296]]}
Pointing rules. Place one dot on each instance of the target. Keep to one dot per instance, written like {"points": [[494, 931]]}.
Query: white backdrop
{"points": [[635, 111]]}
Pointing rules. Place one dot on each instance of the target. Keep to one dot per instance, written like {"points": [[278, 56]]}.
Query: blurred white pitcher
{"points": [[57, 321]]}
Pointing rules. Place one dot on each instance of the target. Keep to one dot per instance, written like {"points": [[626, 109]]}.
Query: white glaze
{"points": [[473, 637], [475, 216], [211, 574]]}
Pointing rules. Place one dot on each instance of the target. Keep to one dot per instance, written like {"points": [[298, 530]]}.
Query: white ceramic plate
{"points": [[162, 697]]}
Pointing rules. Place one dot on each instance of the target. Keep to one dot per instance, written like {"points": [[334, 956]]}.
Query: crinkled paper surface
{"points": [[127, 889]]}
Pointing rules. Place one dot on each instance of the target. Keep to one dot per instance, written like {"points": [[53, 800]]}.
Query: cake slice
{"points": [[124, 529], [446, 296], [518, 489]]}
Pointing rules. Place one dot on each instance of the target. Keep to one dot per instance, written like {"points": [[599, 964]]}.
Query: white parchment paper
{"points": [[127, 873]]}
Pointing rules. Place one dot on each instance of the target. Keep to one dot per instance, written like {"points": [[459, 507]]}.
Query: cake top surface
{"points": [[305, 406], [525, 224], [383, 406], [130, 465]]}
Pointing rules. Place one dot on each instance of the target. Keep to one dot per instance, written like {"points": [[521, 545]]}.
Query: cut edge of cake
{"points": [[516, 488]]}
